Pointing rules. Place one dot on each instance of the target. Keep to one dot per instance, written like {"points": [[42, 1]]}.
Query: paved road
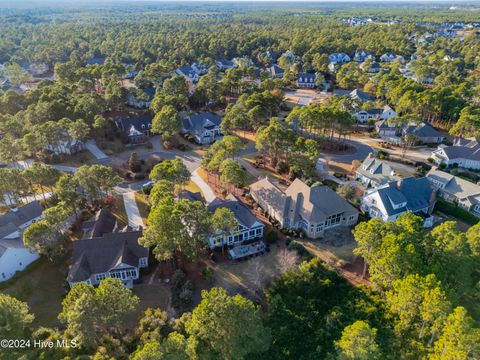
{"points": [[361, 152], [131, 208], [206, 189], [95, 150], [27, 199]]}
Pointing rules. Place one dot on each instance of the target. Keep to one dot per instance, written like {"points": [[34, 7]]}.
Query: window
{"points": [[319, 227], [100, 277], [258, 231], [252, 232], [3, 275]]}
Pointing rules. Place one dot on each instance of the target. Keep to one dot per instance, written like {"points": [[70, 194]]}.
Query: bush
{"points": [[272, 237], [430, 160], [300, 249], [179, 278], [442, 166], [207, 273]]}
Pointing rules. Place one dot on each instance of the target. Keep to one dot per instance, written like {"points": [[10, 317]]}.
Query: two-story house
{"points": [[116, 255], [14, 255], [384, 113], [362, 55], [204, 127], [136, 128], [456, 190], [339, 58], [249, 227], [310, 209], [306, 80], [375, 172], [397, 197]]}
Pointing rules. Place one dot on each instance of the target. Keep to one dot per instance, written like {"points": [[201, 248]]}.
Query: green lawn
{"points": [[143, 205], [42, 287], [151, 296]]}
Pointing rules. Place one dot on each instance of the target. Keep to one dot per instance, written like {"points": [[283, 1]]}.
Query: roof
{"points": [[269, 193], [354, 94], [458, 187], [96, 61], [22, 215], [101, 254], [414, 193], [141, 123], [306, 77], [198, 123], [6, 244], [377, 170], [7, 229], [243, 214], [315, 204], [469, 151], [424, 130], [276, 70], [104, 223], [225, 63]]}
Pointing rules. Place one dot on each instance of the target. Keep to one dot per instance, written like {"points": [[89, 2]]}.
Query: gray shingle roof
{"points": [[100, 255], [22, 215], [243, 214], [104, 223], [198, 123]]}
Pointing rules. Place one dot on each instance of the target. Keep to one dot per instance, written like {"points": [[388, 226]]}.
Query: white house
{"points": [[456, 190], [397, 197], [384, 113], [362, 55], [464, 152], [67, 147], [339, 58], [14, 256], [249, 227], [375, 172]]}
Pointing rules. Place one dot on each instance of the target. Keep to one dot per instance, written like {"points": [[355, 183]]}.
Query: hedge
{"points": [[451, 209]]}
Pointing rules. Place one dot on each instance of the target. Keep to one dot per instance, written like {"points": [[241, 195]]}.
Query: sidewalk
{"points": [[134, 218]]}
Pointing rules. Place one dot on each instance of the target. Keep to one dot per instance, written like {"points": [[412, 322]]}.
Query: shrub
{"points": [[299, 248], [453, 210], [442, 166], [207, 273], [430, 160], [272, 237]]}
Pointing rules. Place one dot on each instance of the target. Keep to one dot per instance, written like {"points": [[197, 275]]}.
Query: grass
{"points": [[78, 159], [119, 211], [143, 205], [41, 286], [192, 187], [265, 172], [151, 296]]}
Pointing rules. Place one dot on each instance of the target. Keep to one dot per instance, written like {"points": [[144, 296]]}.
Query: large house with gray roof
{"points": [[301, 207], [204, 127], [384, 113], [306, 80], [249, 227], [464, 152], [456, 190], [375, 172], [397, 197], [116, 255], [14, 256]]}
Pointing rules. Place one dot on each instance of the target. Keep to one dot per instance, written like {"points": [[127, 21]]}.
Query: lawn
{"points": [[192, 187], [118, 210], [42, 287], [265, 172], [151, 296], [143, 205]]}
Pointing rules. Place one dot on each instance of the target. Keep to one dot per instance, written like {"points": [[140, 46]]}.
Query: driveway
{"points": [[94, 149], [131, 208], [206, 189]]}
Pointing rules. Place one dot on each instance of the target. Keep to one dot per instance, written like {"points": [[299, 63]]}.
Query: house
{"points": [[370, 67], [306, 80], [193, 72], [356, 94], [384, 113], [425, 133], [140, 98], [362, 55], [388, 57], [339, 58], [137, 128], [14, 255], [375, 172], [204, 127], [224, 64], [95, 61], [397, 197], [464, 152], [104, 223], [67, 146], [249, 227], [456, 190], [386, 128], [301, 207], [116, 255], [276, 71]]}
